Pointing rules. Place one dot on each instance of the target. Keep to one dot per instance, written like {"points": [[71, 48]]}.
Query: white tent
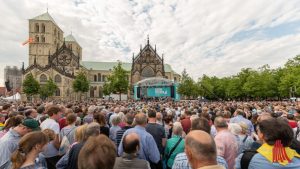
{"points": [[16, 96]]}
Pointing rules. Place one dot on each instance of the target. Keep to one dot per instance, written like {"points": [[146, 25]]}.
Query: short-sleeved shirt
{"points": [[50, 124], [158, 133], [69, 132], [169, 146], [148, 149]]}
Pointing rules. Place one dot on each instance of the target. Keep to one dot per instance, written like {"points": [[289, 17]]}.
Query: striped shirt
{"points": [[120, 134]]}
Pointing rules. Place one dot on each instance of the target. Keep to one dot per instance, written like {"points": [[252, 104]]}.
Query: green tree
{"points": [[81, 83], [30, 86], [117, 82], [48, 89], [187, 86]]}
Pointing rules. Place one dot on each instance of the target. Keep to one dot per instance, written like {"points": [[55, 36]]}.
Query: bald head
{"points": [[200, 146], [140, 119], [131, 143]]}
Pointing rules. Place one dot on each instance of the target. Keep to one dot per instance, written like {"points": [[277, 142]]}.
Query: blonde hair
{"points": [[80, 133]]}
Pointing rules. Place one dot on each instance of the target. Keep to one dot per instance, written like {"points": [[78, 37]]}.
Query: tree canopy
{"points": [[117, 81], [30, 85], [81, 83], [48, 89], [263, 83]]}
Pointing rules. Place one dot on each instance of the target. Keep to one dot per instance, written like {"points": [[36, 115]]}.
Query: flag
{"points": [[29, 40]]}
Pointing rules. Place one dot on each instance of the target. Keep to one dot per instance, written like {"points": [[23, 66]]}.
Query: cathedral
{"points": [[53, 55]]}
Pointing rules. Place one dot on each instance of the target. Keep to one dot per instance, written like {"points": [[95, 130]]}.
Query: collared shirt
{"points": [[240, 118], [169, 146], [181, 162], [8, 144], [148, 149]]}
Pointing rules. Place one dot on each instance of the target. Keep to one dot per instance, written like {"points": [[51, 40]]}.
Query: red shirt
{"points": [[293, 124], [62, 123], [186, 124]]}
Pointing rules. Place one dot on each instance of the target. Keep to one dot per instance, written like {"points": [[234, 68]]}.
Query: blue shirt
{"points": [[259, 161], [148, 149], [8, 144], [181, 162], [240, 118]]}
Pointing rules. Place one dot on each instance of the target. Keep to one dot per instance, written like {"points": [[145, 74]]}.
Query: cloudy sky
{"points": [[213, 37]]}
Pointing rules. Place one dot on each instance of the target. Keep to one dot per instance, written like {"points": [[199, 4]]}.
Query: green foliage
{"points": [[187, 87], [263, 83], [48, 89], [117, 82], [30, 85], [81, 83]]}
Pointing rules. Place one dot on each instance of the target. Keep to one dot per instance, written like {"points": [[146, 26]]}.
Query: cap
{"points": [[32, 124]]}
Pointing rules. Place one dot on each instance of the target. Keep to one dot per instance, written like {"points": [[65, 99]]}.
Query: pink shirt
{"points": [[227, 147]]}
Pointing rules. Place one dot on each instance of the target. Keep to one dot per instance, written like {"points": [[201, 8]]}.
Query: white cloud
{"points": [[193, 34]]}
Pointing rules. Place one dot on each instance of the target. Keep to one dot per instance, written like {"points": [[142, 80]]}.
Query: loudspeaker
{"points": [[172, 91], [138, 93]]}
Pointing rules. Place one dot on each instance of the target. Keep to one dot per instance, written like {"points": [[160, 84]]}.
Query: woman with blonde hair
{"points": [[30, 146]]}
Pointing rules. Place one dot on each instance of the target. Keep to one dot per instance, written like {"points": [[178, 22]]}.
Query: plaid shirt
{"points": [[181, 162]]}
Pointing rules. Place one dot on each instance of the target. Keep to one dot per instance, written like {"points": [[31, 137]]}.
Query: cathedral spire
{"points": [[34, 61], [23, 69], [155, 49], [148, 39]]}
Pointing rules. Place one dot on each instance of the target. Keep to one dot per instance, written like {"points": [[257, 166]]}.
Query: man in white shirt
{"points": [[54, 113]]}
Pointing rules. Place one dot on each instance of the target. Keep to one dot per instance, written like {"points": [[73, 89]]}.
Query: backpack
{"points": [[246, 158]]}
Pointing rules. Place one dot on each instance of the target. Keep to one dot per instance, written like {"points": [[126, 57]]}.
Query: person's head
{"points": [[129, 117], [264, 116], [33, 142], [27, 126], [6, 107], [239, 112], [116, 120], [93, 129], [80, 133], [13, 122], [200, 149], [151, 113], [71, 118], [40, 109], [235, 128], [97, 153], [92, 109], [177, 129], [131, 143], [50, 134], [159, 116], [117, 110], [100, 118], [140, 119], [290, 117], [220, 123], [244, 127], [273, 129], [31, 113], [200, 124], [54, 112]]}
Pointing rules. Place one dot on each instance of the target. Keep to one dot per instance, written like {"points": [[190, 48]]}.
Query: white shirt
{"points": [[50, 124]]}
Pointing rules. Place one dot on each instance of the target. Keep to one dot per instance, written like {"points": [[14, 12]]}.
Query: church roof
{"points": [[70, 38], [106, 66], [44, 17]]}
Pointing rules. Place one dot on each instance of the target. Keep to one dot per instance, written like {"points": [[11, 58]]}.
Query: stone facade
{"points": [[58, 58]]}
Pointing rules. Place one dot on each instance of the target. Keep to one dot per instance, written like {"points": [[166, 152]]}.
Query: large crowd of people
{"points": [[100, 134]]}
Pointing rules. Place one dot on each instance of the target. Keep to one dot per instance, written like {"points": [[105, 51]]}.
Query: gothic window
{"points": [[57, 92], [175, 79], [43, 38], [57, 78], [43, 78], [54, 31], [99, 77], [148, 72], [43, 28], [58, 35], [104, 78], [37, 39], [37, 27], [95, 78]]}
